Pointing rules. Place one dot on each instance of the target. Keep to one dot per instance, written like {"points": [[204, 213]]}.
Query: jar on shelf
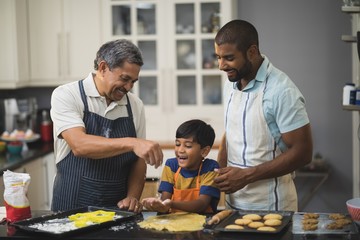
{"points": [[347, 93]]}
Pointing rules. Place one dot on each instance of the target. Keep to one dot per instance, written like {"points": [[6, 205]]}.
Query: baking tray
{"points": [[324, 220], [61, 219], [287, 216]]}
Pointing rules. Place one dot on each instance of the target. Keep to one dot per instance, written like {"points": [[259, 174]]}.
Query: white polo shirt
{"points": [[67, 111]]}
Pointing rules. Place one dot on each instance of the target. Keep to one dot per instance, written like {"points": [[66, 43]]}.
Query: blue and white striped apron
{"points": [[103, 182], [250, 143]]}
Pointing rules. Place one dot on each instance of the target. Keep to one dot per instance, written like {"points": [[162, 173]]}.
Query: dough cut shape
{"points": [[233, 226], [251, 216]]}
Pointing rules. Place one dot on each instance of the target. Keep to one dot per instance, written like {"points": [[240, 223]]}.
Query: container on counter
{"points": [[347, 93], [46, 127]]}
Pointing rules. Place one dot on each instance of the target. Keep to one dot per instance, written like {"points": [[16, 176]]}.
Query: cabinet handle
{"points": [[68, 53], [59, 53]]}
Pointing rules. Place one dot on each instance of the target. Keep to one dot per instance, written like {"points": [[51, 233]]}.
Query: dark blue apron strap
{"points": [[128, 107], [83, 95]]}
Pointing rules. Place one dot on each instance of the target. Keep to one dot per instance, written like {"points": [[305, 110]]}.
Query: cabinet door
{"points": [[37, 189], [46, 40], [82, 37], [14, 70], [179, 80], [64, 38], [50, 171]]}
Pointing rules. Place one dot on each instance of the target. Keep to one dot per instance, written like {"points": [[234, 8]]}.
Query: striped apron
{"points": [[103, 182], [250, 143]]}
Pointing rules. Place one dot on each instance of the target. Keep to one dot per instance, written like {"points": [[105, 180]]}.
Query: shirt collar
{"points": [[91, 90], [260, 75]]}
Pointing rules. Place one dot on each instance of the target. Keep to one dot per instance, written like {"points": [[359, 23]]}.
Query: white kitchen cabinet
{"points": [[41, 171], [180, 79], [64, 37], [14, 64]]}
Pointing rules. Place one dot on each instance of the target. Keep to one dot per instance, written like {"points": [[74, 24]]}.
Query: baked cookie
{"points": [[310, 221], [233, 226], [343, 221], [273, 222], [272, 216], [243, 221], [309, 227], [252, 216], [334, 225], [255, 224], [311, 216], [266, 229], [336, 216]]}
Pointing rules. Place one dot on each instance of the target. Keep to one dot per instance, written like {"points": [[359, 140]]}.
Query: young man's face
{"points": [[189, 153], [233, 62]]}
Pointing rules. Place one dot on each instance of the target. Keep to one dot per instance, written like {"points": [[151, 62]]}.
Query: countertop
{"points": [[35, 150], [130, 230]]}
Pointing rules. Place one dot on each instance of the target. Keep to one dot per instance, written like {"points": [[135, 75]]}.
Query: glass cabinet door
{"points": [[180, 79]]}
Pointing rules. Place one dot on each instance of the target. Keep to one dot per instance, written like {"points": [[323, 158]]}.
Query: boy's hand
{"points": [[156, 205]]}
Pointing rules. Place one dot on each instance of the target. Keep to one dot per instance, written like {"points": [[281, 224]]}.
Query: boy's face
{"points": [[189, 153]]}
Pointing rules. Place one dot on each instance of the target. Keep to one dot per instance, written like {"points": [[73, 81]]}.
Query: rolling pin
{"points": [[219, 216]]}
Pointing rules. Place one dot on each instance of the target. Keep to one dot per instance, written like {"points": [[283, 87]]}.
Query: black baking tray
{"points": [[25, 225], [287, 217]]}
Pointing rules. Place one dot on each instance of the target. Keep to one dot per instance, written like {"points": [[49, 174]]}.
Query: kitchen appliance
{"points": [[18, 114]]}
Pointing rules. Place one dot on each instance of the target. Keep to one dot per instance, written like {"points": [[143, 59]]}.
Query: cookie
{"points": [[336, 216], [272, 222], [334, 225], [272, 216], [233, 226], [310, 221], [311, 216], [309, 227], [343, 221], [243, 221], [266, 229], [255, 224], [252, 216]]}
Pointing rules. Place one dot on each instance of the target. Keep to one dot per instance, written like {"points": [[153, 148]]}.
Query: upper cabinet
{"points": [[180, 79], [13, 44], [64, 37]]}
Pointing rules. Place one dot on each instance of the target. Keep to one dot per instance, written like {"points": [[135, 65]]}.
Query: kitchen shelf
{"points": [[351, 9], [352, 108], [349, 38]]}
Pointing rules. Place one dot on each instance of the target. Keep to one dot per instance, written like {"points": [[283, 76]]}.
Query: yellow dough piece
{"points": [[254, 217], [175, 222], [233, 226], [243, 221], [272, 222], [255, 224], [272, 216], [266, 229]]}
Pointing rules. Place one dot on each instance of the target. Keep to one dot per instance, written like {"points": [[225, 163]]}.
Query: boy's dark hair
{"points": [[200, 131]]}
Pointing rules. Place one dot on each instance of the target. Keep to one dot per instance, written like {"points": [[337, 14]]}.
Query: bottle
{"points": [[346, 93], [46, 127]]}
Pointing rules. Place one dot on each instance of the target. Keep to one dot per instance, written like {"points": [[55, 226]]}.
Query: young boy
{"points": [[187, 181]]}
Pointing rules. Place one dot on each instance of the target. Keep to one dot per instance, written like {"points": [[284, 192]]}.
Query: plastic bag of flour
{"points": [[15, 196]]}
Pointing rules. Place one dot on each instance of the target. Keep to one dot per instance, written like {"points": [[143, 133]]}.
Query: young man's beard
{"points": [[243, 72]]}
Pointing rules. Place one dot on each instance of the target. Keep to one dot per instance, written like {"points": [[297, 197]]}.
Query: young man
{"points": [[267, 130], [187, 181]]}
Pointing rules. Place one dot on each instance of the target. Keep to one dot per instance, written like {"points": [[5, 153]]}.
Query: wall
{"points": [[303, 38]]}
